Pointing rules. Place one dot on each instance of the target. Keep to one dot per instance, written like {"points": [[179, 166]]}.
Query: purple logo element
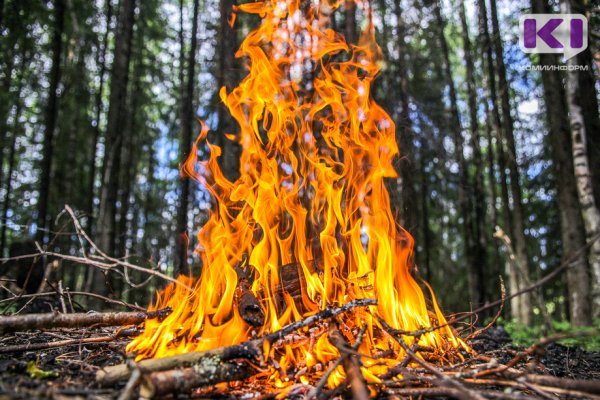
{"points": [[553, 33]]}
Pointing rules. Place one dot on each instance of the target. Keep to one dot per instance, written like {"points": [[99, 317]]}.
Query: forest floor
{"points": [[69, 372]]}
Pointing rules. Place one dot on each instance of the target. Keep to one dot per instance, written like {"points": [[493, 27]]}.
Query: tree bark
{"points": [[350, 31], [571, 224], [464, 202], [114, 135], [7, 52], [517, 215], [16, 129], [99, 105], [187, 120], [520, 306], [425, 227], [405, 186], [583, 173], [50, 119], [227, 76], [479, 243], [589, 99]]}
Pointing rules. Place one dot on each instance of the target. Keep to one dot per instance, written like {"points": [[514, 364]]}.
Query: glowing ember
{"points": [[310, 199]]}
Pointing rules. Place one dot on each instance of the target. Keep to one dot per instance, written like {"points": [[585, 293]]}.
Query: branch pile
{"points": [[248, 368]]}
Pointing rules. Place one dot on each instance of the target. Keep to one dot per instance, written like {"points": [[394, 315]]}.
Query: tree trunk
{"points": [[11, 168], [520, 305], [479, 243], [583, 174], [5, 103], [350, 31], [571, 224], [50, 119], [521, 262], [98, 101], [7, 52], [227, 76], [589, 100], [114, 135], [457, 135], [405, 185], [425, 218], [187, 120], [518, 216]]}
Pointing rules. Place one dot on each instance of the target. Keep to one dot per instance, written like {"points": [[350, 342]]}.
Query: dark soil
{"points": [[69, 372]]}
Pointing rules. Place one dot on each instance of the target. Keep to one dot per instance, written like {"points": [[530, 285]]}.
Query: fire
{"points": [[310, 199]]}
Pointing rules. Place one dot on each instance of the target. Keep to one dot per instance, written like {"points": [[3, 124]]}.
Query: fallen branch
{"points": [[71, 293], [581, 385], [16, 323], [250, 350], [187, 379]]}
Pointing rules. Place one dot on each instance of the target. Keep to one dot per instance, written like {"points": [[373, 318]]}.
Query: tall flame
{"points": [[311, 195]]}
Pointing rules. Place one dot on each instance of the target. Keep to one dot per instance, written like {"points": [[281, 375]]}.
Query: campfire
{"points": [[308, 288], [307, 229]]}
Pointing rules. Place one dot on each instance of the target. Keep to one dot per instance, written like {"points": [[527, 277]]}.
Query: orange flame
{"points": [[311, 193]]}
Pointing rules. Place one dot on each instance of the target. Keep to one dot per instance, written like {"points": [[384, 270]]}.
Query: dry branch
{"points": [[250, 350], [563, 383], [74, 293], [201, 360], [16, 323]]}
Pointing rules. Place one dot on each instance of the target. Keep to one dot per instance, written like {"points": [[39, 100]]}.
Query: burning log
{"points": [[351, 365], [250, 350], [187, 379], [250, 309], [202, 360], [291, 281], [15, 323]]}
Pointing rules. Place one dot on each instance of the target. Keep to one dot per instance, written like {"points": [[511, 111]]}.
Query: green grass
{"points": [[526, 336]]}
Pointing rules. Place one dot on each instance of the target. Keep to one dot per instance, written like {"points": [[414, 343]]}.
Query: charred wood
{"points": [[248, 305]]}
